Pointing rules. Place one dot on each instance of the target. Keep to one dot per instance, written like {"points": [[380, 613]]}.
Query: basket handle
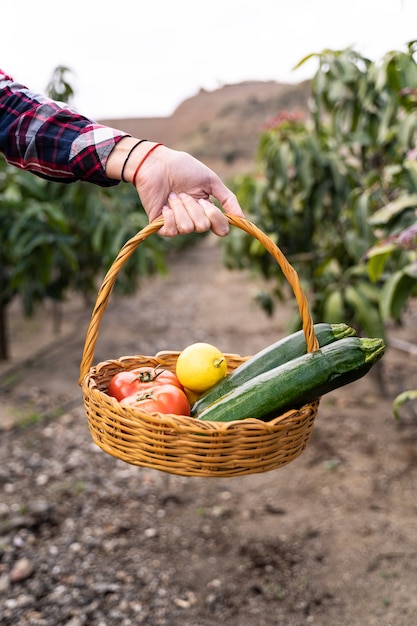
{"points": [[131, 245]]}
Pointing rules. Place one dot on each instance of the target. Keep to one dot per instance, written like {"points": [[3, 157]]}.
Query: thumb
{"points": [[227, 198]]}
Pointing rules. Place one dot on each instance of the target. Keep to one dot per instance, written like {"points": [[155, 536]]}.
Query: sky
{"points": [[136, 58]]}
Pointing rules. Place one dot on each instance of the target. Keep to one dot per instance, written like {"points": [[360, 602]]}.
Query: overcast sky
{"points": [[136, 58]]}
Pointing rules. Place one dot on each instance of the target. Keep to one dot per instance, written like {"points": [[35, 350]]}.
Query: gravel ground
{"points": [[88, 540]]}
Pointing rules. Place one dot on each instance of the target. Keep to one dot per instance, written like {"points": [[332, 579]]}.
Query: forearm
{"points": [[52, 140]]}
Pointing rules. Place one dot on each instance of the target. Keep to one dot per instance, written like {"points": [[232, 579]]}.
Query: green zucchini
{"points": [[284, 350], [301, 380]]}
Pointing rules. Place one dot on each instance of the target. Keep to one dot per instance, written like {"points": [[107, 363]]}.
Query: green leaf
{"points": [[391, 210], [410, 167], [402, 398], [377, 258], [407, 130], [308, 57], [395, 293], [411, 270], [370, 291], [366, 312], [334, 307]]}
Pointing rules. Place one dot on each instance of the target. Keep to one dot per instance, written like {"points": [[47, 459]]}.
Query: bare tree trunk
{"points": [[4, 343], [56, 317]]}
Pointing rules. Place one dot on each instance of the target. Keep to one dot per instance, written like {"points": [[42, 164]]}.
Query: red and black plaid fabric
{"points": [[51, 139]]}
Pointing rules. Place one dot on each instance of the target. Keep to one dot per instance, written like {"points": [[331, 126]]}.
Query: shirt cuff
{"points": [[90, 151]]}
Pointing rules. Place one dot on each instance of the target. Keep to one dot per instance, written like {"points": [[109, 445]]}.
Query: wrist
{"points": [[117, 164], [132, 173]]}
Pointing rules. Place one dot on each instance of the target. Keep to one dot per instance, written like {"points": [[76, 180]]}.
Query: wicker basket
{"points": [[179, 444]]}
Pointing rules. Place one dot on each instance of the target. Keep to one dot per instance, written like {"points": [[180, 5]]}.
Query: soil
{"points": [[329, 539]]}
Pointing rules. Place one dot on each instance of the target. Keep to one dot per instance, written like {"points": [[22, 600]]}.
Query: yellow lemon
{"points": [[200, 366], [192, 396]]}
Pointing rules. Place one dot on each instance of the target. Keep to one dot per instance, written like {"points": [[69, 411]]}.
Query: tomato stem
{"points": [[145, 395], [148, 377]]}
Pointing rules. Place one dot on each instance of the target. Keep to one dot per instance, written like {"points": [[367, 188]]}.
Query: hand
{"points": [[178, 186]]}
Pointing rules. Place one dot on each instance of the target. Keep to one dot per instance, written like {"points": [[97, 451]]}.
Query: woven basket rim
{"points": [[90, 386]]}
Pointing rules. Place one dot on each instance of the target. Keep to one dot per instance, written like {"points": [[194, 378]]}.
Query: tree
{"points": [[56, 239], [322, 185], [59, 87]]}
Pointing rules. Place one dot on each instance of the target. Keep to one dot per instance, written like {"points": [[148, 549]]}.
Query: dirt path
{"points": [[328, 540]]}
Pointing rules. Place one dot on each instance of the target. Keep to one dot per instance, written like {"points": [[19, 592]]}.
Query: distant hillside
{"points": [[221, 127]]}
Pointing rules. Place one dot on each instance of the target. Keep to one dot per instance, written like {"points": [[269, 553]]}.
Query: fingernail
{"points": [[172, 194]]}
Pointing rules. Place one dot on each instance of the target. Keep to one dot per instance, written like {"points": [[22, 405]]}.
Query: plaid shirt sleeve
{"points": [[50, 139]]}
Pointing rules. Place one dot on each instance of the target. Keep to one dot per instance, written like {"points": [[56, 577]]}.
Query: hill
{"points": [[221, 127]]}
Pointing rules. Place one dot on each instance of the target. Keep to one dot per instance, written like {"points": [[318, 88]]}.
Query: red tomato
{"points": [[128, 382], [160, 399]]}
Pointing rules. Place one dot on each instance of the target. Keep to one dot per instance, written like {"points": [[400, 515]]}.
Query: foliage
{"points": [[59, 87], [331, 185], [56, 238]]}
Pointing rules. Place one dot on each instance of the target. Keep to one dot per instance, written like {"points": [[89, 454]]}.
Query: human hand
{"points": [[179, 187]]}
